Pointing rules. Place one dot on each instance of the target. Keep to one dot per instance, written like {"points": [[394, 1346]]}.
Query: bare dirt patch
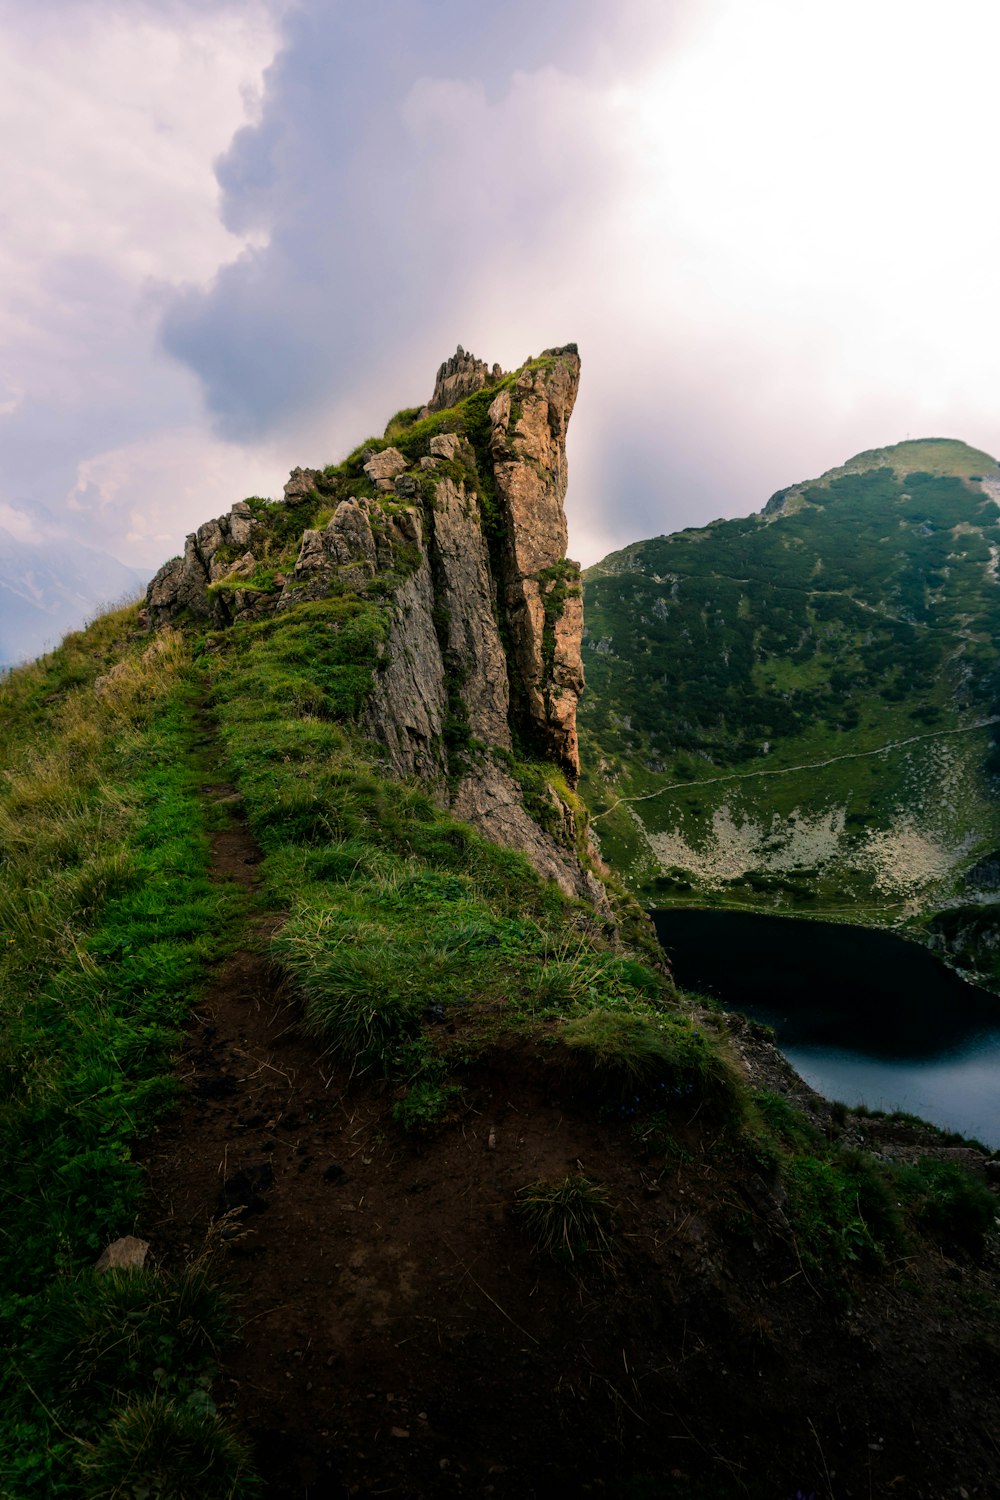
{"points": [[399, 1338]]}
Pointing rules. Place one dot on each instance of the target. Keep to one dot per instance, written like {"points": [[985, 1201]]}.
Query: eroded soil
{"points": [[399, 1338]]}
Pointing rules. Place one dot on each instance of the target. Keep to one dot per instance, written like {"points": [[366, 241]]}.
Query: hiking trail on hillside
{"points": [[814, 765], [398, 1337]]}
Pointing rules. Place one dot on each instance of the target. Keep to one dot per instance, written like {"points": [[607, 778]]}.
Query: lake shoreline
{"points": [[870, 1018]]}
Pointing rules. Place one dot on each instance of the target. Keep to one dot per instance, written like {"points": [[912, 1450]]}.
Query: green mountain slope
{"points": [[446, 1189], [797, 710]]}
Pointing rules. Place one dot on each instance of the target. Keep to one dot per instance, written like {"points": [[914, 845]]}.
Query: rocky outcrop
{"points": [[490, 798], [542, 594], [382, 468], [445, 667], [462, 534], [469, 633], [345, 549], [459, 377], [408, 706], [301, 483], [519, 575], [182, 584]]}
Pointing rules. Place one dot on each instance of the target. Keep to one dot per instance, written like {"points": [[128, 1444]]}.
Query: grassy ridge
{"points": [[396, 911], [399, 918], [107, 920]]}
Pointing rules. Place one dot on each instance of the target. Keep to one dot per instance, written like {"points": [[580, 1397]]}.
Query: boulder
{"points": [[126, 1254], [445, 444], [300, 484], [241, 523], [383, 467], [243, 567]]}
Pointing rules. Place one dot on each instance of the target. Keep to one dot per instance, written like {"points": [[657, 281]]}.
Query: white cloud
{"points": [[142, 499], [770, 228], [18, 524], [110, 122], [110, 118]]}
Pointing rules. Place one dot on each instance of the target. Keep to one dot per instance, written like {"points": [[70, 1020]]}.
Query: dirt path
{"points": [[398, 1338], [391, 1338], [815, 765]]}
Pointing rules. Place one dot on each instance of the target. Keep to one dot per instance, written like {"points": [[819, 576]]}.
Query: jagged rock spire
{"points": [[458, 377], [484, 620]]}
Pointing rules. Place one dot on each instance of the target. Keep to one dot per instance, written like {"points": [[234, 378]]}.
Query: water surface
{"points": [[863, 1016]]}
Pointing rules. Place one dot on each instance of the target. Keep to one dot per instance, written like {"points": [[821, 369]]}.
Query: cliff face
{"points": [[455, 519]]}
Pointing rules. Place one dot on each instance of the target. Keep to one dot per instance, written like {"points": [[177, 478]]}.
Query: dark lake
{"points": [[864, 1017]]}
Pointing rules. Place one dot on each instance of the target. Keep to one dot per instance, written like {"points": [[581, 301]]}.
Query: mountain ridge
{"points": [[451, 536], [50, 587], [504, 1211], [831, 628]]}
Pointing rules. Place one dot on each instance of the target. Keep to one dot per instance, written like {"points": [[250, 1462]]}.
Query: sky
{"points": [[238, 234]]}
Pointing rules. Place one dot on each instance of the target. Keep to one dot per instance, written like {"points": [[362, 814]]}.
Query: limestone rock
{"points": [[299, 485], [251, 604], [541, 592], [406, 711], [243, 567], [312, 554], [491, 800], [345, 547], [459, 377], [182, 583], [383, 467], [350, 534], [241, 523], [126, 1254], [445, 444], [161, 595], [472, 642]]}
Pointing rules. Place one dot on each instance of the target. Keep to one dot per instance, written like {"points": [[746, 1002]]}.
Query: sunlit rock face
{"points": [[459, 377], [541, 591], [456, 523]]}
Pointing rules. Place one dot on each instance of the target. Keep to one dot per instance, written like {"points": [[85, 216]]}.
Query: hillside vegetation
{"points": [[799, 711], [447, 1189]]}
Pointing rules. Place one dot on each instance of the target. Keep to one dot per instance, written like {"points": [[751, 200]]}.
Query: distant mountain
{"points": [[49, 588], [797, 710]]}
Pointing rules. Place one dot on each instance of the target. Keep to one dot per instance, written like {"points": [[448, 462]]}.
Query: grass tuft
{"points": [[950, 1205], [104, 1338], [164, 1449], [363, 992], [640, 1060], [569, 1221]]}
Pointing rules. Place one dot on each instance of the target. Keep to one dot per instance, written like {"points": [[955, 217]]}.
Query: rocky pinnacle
{"points": [[457, 525], [542, 595]]}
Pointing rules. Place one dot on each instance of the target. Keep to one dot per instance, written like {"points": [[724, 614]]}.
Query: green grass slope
{"points": [[107, 922], [390, 916], [109, 929], [796, 711]]}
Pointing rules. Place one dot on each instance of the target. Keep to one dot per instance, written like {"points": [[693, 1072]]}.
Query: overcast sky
{"points": [[238, 236]]}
